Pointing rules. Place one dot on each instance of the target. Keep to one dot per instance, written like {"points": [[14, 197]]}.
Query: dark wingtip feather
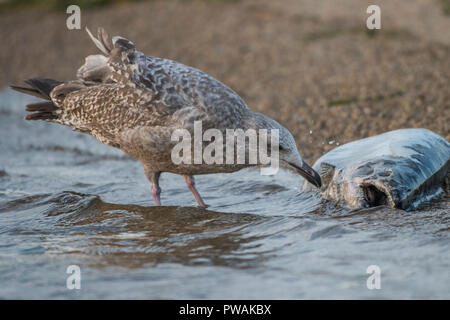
{"points": [[44, 86], [30, 91], [40, 88]]}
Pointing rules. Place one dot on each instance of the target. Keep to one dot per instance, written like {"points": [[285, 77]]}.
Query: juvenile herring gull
{"points": [[134, 102]]}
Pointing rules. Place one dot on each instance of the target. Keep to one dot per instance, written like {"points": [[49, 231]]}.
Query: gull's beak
{"points": [[308, 173]]}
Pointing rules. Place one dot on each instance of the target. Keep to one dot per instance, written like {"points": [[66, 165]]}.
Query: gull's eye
{"points": [[280, 148]]}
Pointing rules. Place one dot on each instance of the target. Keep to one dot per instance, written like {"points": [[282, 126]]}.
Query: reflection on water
{"points": [[66, 199], [133, 236]]}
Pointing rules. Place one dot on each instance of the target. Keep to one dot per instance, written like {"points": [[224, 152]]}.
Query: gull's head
{"points": [[288, 155], [289, 158]]}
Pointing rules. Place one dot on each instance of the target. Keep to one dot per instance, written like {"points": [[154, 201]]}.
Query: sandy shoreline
{"points": [[313, 68]]}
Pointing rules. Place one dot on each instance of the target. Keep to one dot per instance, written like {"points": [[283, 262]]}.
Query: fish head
{"points": [[400, 169], [363, 184]]}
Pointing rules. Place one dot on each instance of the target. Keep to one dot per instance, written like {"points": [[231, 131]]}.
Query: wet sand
{"points": [[314, 68]]}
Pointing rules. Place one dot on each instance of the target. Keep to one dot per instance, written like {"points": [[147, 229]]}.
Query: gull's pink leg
{"points": [[153, 177], [156, 191], [191, 186]]}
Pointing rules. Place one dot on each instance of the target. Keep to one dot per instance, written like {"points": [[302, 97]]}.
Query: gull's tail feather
{"points": [[41, 106], [40, 88], [41, 111]]}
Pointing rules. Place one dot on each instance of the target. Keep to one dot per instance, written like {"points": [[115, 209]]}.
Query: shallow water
{"points": [[65, 199]]}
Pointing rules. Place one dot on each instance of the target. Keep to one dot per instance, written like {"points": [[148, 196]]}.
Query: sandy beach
{"points": [[314, 68]]}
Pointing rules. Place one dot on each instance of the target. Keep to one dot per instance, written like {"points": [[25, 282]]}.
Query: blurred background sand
{"points": [[312, 65]]}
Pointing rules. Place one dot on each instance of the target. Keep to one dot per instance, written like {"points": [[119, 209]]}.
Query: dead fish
{"points": [[401, 169]]}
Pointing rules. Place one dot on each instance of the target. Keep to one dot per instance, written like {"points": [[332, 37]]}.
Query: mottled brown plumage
{"points": [[135, 102]]}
